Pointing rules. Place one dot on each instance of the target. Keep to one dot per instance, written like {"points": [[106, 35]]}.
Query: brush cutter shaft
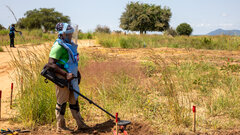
{"points": [[49, 74]]}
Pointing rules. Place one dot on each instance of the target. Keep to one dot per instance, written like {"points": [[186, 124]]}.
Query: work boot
{"points": [[61, 125], [79, 120]]}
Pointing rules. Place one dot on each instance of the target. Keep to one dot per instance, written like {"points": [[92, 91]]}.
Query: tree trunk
{"points": [[141, 32]]}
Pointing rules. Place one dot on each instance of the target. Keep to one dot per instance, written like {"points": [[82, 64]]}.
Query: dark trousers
{"points": [[11, 41]]}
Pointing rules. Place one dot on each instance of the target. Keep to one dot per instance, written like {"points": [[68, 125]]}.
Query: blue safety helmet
{"points": [[64, 28]]}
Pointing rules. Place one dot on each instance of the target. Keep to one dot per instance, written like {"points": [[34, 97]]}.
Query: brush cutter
{"points": [[49, 74]]}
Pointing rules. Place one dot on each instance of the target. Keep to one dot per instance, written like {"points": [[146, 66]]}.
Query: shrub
{"points": [[130, 42], [102, 29], [89, 35], [171, 32], [81, 36], [184, 29]]}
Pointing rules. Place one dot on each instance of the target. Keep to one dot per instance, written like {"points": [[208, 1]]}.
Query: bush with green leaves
{"points": [[102, 29], [184, 29]]}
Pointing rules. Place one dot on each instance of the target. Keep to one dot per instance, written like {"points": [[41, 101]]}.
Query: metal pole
{"points": [[91, 102]]}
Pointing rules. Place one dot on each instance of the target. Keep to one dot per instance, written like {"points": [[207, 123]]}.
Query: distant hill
{"points": [[224, 32]]}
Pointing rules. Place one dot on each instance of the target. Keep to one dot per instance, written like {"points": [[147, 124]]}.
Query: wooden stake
{"points": [[194, 118], [0, 103], [116, 123], [11, 95]]}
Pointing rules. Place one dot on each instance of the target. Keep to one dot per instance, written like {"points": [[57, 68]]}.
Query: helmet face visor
{"points": [[75, 33]]}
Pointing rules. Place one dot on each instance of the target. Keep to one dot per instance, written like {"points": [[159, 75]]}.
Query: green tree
{"points": [[1, 27], [184, 29], [44, 17], [102, 29], [145, 17]]}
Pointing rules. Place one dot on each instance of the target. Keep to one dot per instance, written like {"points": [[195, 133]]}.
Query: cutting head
{"points": [[123, 122]]}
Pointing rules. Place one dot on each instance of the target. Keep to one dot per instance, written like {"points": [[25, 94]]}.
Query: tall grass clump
{"points": [[130, 42], [107, 40], [176, 104], [36, 100]]}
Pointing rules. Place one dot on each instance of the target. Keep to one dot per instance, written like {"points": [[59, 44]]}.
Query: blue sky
{"points": [[203, 15]]}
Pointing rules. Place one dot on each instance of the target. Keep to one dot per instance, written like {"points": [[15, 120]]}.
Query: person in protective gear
{"points": [[12, 35], [63, 58]]}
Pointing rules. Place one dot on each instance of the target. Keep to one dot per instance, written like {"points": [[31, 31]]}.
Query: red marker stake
{"points": [[11, 96], [194, 118], [0, 103], [117, 123]]}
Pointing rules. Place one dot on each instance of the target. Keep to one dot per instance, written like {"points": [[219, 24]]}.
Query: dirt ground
{"points": [[7, 73]]}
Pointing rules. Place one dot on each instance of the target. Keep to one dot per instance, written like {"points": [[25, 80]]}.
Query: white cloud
{"points": [[226, 25], [221, 25], [202, 25], [224, 15]]}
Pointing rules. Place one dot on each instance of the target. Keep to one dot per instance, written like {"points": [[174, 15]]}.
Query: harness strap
{"points": [[74, 107], [61, 108]]}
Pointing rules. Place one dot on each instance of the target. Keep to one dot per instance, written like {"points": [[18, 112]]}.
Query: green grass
{"points": [[1, 49], [156, 41], [31, 37], [87, 35]]}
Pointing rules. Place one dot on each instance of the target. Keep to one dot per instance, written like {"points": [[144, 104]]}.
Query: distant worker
{"points": [[12, 34], [63, 58]]}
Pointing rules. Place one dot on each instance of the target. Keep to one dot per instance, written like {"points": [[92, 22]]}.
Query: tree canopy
{"points": [[145, 17], [46, 18], [184, 29], [1, 27]]}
